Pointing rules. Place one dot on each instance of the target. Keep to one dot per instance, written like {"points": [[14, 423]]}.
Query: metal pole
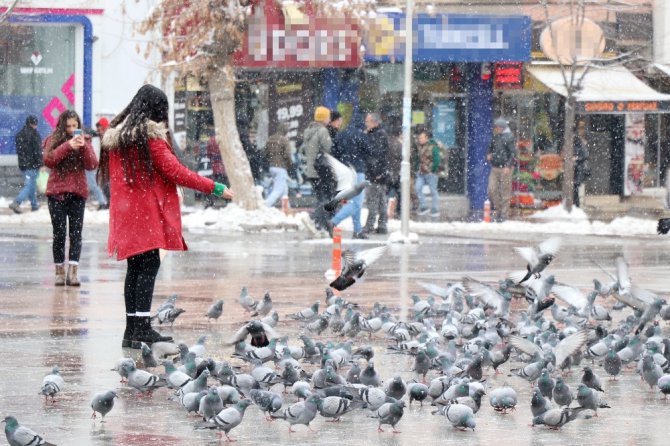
{"points": [[406, 121]]}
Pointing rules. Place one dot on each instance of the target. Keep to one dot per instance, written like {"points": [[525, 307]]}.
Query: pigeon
{"points": [[390, 414], [347, 184], [373, 397], [546, 384], [18, 435], [175, 379], [664, 385], [142, 380], [651, 372], [103, 403], [215, 311], [196, 385], [260, 332], [231, 417], [271, 319], [148, 358], [52, 384], [417, 392], [118, 368], [264, 307], [499, 357], [210, 405], [308, 314], [396, 387], [562, 393], [354, 265], [663, 226], [302, 412], [556, 418], [191, 401], [247, 302], [591, 380], [650, 314], [336, 406], [268, 402], [168, 315], [503, 398], [589, 399], [563, 350], [369, 376], [612, 363], [228, 394], [490, 297], [459, 415], [538, 259], [170, 302], [199, 347], [538, 403]]}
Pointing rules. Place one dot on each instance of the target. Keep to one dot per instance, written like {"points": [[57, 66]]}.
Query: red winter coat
{"points": [[144, 213], [67, 168]]}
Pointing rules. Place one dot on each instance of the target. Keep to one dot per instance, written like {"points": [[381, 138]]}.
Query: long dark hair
{"points": [[59, 136], [149, 104]]}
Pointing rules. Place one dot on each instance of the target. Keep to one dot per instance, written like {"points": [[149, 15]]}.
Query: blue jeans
{"points": [[279, 185], [29, 190], [431, 180], [352, 208], [94, 188]]}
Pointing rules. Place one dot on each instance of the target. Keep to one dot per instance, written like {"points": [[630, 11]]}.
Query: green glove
{"points": [[219, 189]]}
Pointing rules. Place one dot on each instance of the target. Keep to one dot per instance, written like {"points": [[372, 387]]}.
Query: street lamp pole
{"points": [[406, 121]]}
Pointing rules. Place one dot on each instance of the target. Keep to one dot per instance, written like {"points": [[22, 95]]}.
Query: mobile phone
{"points": [[77, 132]]}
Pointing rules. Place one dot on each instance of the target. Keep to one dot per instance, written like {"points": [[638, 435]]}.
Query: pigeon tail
{"points": [[342, 283]]}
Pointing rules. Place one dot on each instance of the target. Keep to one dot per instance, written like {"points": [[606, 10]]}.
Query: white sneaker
{"points": [[423, 212], [309, 225], [434, 214]]}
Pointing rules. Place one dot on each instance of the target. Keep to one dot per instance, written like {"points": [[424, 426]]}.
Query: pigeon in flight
{"points": [[537, 258], [354, 265], [347, 185]]}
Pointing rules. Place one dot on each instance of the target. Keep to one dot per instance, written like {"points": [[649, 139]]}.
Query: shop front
{"points": [[455, 67], [618, 115]]}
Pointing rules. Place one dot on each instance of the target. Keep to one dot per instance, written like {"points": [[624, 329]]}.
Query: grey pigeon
{"points": [[499, 357], [268, 402], [102, 403], [347, 183], [148, 358], [191, 401], [503, 398], [118, 368], [562, 393], [538, 403], [396, 387], [589, 399], [196, 385], [373, 397], [591, 380], [556, 418], [210, 405], [650, 314], [369, 376], [537, 258], [459, 415], [215, 310], [308, 314], [168, 315], [170, 302], [354, 265], [228, 394], [664, 385], [302, 412], [230, 418], [260, 332], [142, 380], [52, 384], [199, 347], [390, 414], [18, 435], [546, 384], [417, 392], [651, 372], [612, 363], [247, 302], [264, 307], [336, 406], [422, 364], [175, 379], [354, 374]]}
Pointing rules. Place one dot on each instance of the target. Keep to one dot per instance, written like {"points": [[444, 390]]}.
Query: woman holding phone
{"points": [[68, 153]]}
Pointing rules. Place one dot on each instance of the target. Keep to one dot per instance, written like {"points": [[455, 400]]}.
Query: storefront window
{"points": [[37, 72]]}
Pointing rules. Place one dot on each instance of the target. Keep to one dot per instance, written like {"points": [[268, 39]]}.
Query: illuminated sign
{"points": [[508, 75], [623, 107]]}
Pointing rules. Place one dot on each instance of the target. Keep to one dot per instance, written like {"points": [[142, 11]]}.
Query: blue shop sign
{"points": [[451, 38]]}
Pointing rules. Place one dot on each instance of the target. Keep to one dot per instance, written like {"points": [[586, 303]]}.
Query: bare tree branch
{"points": [[5, 15]]}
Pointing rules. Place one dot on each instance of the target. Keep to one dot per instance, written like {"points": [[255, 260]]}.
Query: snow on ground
{"points": [[232, 218]]}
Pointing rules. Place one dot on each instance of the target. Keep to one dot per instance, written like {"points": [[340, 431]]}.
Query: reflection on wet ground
{"points": [[80, 330]]}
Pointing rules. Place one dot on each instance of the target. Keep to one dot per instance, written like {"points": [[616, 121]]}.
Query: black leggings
{"points": [[67, 212], [140, 280]]}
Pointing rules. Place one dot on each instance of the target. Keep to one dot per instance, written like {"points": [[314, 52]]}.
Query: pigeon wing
{"points": [[25, 436], [611, 276], [622, 273], [569, 346], [369, 256], [570, 295], [525, 345], [528, 254], [549, 246], [487, 295], [435, 290], [348, 259], [238, 336], [345, 175]]}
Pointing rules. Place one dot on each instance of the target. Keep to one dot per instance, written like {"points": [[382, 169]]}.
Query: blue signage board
{"points": [[451, 38], [444, 122]]}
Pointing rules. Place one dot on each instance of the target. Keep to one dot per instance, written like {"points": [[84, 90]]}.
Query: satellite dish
{"points": [[568, 42]]}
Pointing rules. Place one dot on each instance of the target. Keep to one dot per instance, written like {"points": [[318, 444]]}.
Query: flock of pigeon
{"points": [[452, 337]]}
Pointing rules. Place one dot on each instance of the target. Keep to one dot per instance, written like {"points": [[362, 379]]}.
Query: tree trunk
{"points": [[222, 96], [568, 152]]}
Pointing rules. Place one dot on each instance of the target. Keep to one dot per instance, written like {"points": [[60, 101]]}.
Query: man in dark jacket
{"points": [[501, 155], [377, 173], [351, 148], [278, 154], [581, 157], [29, 151]]}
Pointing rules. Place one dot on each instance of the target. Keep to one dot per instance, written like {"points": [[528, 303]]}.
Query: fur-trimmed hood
{"points": [[155, 130]]}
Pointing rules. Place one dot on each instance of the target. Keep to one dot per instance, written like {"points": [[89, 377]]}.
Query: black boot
{"points": [[144, 333], [129, 333]]}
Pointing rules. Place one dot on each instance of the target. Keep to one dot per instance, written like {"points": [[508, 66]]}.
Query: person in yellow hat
{"points": [[316, 142]]}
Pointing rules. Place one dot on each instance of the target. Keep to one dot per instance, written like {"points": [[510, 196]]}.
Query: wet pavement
{"points": [[79, 329]]}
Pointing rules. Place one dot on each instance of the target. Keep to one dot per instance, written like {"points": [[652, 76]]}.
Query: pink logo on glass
{"points": [[55, 106]]}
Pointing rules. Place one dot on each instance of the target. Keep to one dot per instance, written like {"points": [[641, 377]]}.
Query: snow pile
{"points": [[560, 213], [233, 217]]}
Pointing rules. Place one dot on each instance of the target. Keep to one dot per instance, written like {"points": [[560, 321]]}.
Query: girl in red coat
{"points": [[68, 154], [144, 214]]}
